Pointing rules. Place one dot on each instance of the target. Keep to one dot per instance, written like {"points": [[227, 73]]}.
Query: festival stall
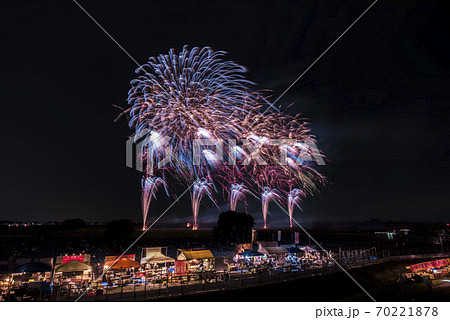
{"points": [[249, 258], [28, 279], [85, 258], [243, 246], [120, 270], [311, 258], [430, 270], [109, 260], [275, 254], [73, 273], [156, 264], [125, 263], [124, 271], [194, 261], [156, 259], [34, 271], [294, 256]]}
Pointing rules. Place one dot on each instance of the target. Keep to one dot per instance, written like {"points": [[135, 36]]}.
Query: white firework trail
{"points": [[200, 188], [150, 186], [294, 197], [267, 195], [237, 192]]}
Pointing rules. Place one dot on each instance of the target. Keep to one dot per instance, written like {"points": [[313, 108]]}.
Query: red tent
{"points": [[125, 263]]}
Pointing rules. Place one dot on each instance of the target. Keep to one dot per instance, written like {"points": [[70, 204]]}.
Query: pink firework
{"points": [[294, 198], [200, 187], [150, 186], [237, 192], [181, 98], [267, 195]]}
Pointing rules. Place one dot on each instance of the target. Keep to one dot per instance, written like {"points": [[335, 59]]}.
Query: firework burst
{"points": [[187, 96], [179, 98]]}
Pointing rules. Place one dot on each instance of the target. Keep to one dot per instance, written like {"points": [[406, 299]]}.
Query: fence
{"points": [[226, 281], [204, 282]]}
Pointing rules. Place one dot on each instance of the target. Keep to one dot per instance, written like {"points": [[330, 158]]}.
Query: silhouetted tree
{"points": [[74, 224], [234, 226]]}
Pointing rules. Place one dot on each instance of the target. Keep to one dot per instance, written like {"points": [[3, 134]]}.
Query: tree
{"points": [[234, 226], [74, 224]]}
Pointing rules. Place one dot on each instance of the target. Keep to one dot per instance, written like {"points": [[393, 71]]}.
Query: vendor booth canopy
{"points": [[251, 253], [32, 267], [125, 263], [195, 255], [157, 257], [273, 250], [72, 266], [308, 249]]}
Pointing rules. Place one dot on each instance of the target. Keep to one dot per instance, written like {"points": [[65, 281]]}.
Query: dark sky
{"points": [[378, 101]]}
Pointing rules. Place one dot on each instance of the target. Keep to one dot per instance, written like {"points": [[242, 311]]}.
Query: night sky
{"points": [[378, 101]]}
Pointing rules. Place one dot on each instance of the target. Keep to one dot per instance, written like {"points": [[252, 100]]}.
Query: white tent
{"points": [[307, 249], [156, 257], [273, 250]]}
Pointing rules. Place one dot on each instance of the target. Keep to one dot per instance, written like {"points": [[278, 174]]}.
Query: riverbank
{"points": [[380, 280]]}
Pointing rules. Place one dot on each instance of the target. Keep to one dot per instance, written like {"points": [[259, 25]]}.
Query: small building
{"points": [[72, 269], [85, 258], [273, 251], [194, 261], [250, 257], [73, 272], [277, 253], [384, 235]]}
